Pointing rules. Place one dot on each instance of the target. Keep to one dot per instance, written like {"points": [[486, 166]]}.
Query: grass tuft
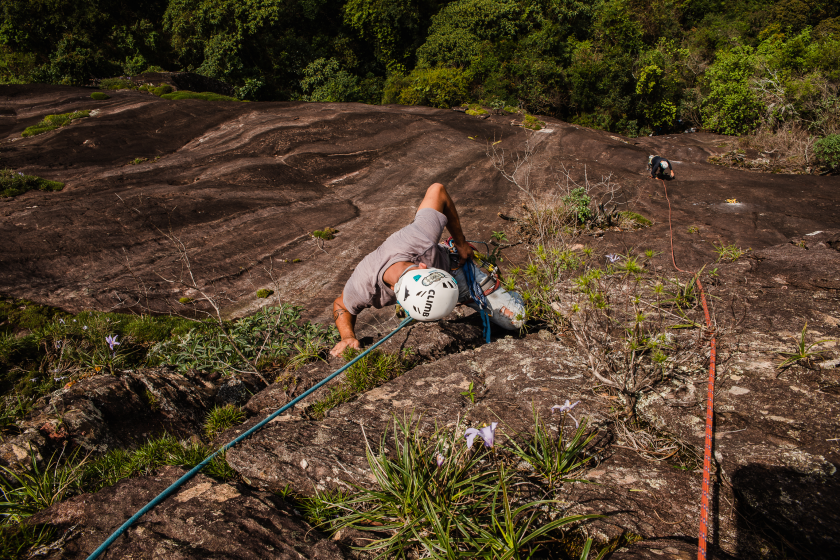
{"points": [[437, 498], [99, 96], [221, 418], [729, 252], [371, 371], [51, 122], [13, 183]]}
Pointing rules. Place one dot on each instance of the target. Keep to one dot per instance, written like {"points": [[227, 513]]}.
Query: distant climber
{"points": [[660, 168], [426, 277]]}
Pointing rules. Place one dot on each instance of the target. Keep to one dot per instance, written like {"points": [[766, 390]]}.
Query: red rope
{"points": [[710, 405]]}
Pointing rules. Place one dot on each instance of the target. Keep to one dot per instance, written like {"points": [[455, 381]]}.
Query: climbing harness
{"points": [[175, 485], [710, 405]]}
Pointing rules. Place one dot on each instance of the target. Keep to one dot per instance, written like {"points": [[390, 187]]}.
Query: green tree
{"points": [[731, 106]]}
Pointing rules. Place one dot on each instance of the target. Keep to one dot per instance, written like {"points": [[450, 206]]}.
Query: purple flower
{"points": [[487, 433], [567, 409], [61, 321], [112, 341], [439, 458], [613, 257]]}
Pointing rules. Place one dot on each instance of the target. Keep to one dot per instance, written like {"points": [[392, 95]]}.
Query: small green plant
{"points": [[531, 122], [511, 110], [650, 253], [13, 183], [295, 260], [116, 83], [138, 161], [693, 229], [371, 371], [499, 236], [729, 252], [221, 418], [558, 459], [827, 151], [204, 96], [802, 351], [51, 122], [476, 110], [99, 96], [326, 234], [263, 293], [630, 265], [185, 300], [577, 203], [470, 393], [28, 492]]}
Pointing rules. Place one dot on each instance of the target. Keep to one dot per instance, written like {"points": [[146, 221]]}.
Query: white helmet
{"points": [[427, 294], [664, 164]]}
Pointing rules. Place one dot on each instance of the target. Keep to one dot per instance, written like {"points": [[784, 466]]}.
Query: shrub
{"points": [[577, 202], [828, 151], [263, 293], [326, 233], [221, 418], [435, 87], [51, 122], [99, 96], [532, 122], [325, 81], [116, 83], [14, 183], [205, 96]]}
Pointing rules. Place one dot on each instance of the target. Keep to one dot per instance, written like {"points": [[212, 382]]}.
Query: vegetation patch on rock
{"points": [[51, 122], [13, 183]]}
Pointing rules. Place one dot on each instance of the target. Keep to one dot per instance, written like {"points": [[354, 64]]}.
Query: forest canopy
{"points": [[622, 65]]}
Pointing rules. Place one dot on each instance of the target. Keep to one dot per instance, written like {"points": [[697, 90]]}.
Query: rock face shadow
{"points": [[782, 513]]}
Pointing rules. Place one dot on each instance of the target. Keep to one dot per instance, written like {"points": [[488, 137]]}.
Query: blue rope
{"points": [[169, 491], [478, 295]]}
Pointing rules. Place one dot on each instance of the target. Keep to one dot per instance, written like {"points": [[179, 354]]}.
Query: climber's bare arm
{"points": [[345, 322], [438, 199]]}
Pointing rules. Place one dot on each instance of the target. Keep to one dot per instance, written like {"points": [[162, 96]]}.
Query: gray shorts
{"points": [[506, 309]]}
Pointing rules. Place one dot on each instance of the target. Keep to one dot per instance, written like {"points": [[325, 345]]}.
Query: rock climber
{"points": [[660, 168], [425, 277]]}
